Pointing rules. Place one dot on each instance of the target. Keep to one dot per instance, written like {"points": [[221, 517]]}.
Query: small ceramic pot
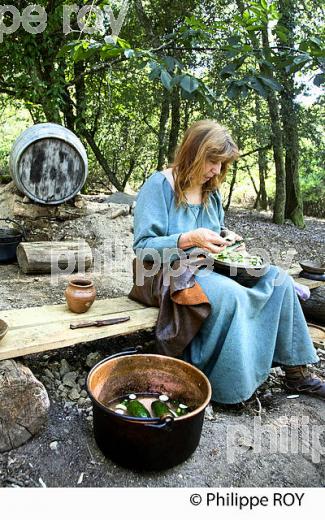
{"points": [[80, 295]]}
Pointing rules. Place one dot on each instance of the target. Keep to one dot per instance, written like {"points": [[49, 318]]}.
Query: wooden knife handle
{"points": [[98, 323]]}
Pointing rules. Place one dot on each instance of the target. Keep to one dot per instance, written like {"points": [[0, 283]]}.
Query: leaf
{"points": [[319, 80], [271, 83], [171, 63], [316, 41], [155, 72], [189, 84], [231, 68], [123, 43], [129, 53], [254, 28], [228, 70], [281, 32], [108, 51], [234, 40], [297, 64], [233, 90], [258, 86], [166, 79]]}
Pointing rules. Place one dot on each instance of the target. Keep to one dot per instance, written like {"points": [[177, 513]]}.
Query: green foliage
{"points": [[204, 59]]}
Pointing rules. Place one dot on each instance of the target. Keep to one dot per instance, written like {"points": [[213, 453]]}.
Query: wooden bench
{"points": [[37, 329]]}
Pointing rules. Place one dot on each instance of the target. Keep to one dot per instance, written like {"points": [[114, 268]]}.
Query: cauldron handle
{"points": [[10, 220], [136, 350], [164, 424]]}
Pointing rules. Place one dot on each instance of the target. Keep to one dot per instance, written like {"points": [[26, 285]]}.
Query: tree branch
{"points": [[265, 147]]}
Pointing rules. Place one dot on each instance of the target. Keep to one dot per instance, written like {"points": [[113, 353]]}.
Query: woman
{"points": [[248, 330]]}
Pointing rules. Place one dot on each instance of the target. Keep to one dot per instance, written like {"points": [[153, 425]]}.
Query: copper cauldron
{"points": [[152, 443]]}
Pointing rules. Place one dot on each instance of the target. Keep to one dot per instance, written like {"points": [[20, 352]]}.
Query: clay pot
{"points": [[80, 295]]}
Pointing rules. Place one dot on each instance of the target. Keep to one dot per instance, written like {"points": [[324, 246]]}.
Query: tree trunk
{"points": [[289, 109], [81, 126], [175, 125], [276, 136], [261, 200], [186, 116], [277, 143], [164, 115], [232, 184]]}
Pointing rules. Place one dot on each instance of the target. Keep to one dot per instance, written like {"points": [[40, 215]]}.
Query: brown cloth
{"points": [[183, 305]]}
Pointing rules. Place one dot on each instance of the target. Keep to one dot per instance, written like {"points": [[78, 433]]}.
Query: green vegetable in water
{"points": [[136, 409], [160, 409], [182, 409]]}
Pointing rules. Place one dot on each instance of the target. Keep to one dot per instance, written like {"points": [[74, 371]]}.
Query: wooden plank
{"points": [[312, 284], [317, 333], [55, 335], [47, 314], [38, 329]]}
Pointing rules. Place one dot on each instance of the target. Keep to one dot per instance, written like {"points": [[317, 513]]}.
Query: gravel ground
{"points": [[64, 453]]}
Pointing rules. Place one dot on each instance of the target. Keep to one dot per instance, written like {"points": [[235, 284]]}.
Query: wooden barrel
{"points": [[48, 163]]}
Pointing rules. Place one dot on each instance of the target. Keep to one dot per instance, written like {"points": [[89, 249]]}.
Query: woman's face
{"points": [[211, 170]]}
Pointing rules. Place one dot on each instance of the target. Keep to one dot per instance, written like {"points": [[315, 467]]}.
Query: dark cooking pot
{"points": [[9, 240], [149, 444]]}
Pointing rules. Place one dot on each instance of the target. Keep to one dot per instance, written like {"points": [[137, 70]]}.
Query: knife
{"points": [[98, 323]]}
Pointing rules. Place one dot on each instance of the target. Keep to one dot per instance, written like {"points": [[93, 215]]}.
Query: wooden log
{"points": [[54, 257], [24, 405], [314, 307]]}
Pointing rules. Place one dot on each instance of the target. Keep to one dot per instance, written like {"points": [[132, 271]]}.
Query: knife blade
{"points": [[98, 323]]}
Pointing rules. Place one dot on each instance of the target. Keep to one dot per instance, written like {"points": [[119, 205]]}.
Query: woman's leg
{"points": [[300, 379], [248, 332]]}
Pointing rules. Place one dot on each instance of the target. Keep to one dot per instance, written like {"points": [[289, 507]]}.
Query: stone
{"points": [[74, 394], [121, 198], [83, 393], [69, 379], [54, 445], [93, 358], [24, 405], [48, 373], [64, 367]]}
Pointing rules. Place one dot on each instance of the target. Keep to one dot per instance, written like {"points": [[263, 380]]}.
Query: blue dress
{"points": [[249, 330]]}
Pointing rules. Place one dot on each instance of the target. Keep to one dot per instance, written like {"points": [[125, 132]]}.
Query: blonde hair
{"points": [[204, 141]]}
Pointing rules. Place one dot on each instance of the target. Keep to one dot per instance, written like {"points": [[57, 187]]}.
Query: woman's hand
{"points": [[231, 238], [203, 238], [230, 235]]}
